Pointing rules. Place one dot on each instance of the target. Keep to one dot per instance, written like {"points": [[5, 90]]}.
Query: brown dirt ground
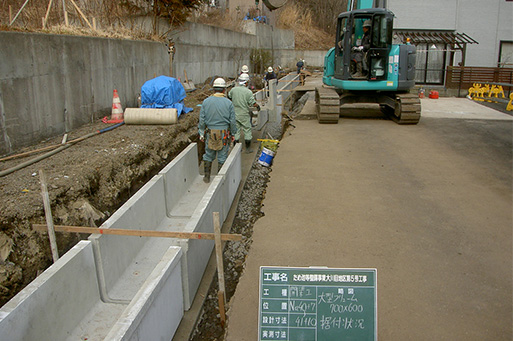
{"points": [[87, 182]]}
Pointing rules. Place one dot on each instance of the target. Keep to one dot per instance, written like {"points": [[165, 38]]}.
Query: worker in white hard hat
{"points": [[270, 74], [243, 100], [359, 51], [216, 127]]}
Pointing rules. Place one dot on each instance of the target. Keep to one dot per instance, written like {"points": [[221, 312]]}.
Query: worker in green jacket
{"points": [[216, 127], [243, 100]]}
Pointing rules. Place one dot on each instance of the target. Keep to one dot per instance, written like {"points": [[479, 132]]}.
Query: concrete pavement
{"points": [[429, 206]]}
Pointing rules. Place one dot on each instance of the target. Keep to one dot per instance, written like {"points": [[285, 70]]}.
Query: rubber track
{"points": [[407, 109], [327, 103]]}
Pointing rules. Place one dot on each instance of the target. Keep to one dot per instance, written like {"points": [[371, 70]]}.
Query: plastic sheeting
{"points": [[164, 92]]}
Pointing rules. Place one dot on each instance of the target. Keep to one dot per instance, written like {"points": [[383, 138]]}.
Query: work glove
{"points": [[202, 138]]}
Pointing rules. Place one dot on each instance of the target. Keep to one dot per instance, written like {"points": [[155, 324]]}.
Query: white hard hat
{"points": [[367, 23], [244, 68], [270, 69], [219, 83], [243, 78]]}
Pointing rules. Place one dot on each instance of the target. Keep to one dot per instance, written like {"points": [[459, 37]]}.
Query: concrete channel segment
{"points": [[123, 287]]}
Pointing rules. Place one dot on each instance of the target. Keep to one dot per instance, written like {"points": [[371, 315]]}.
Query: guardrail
{"points": [[491, 92]]}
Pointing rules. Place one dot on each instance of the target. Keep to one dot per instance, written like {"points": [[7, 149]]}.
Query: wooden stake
{"points": [[21, 9], [171, 61], [94, 24], [138, 233], [48, 215], [10, 13], [47, 13], [220, 268], [221, 299], [66, 20], [82, 14]]}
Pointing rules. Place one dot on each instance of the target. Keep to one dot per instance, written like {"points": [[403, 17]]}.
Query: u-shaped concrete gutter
{"points": [[121, 287], [135, 288]]}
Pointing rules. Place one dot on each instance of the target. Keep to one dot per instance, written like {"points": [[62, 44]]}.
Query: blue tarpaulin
{"points": [[164, 92]]}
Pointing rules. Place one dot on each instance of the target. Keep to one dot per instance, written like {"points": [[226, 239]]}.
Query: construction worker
{"points": [[359, 52], [270, 74], [216, 126], [243, 100], [300, 64]]}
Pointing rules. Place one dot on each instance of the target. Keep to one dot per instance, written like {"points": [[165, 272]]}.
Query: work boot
{"points": [[248, 146], [208, 167], [358, 74]]}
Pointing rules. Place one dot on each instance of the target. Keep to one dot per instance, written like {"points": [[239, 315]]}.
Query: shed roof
{"points": [[435, 37]]}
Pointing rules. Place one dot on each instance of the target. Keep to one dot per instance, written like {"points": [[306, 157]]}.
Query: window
{"points": [[430, 67], [506, 54]]}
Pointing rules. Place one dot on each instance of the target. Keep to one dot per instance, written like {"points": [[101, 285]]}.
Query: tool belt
{"points": [[217, 138]]}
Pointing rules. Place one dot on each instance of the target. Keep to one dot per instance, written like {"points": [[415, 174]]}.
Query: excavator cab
{"points": [[350, 49], [366, 67]]}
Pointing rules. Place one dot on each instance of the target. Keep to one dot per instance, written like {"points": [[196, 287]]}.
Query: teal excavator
{"points": [[366, 67]]}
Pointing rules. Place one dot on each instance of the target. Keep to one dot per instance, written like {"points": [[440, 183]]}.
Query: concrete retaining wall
{"points": [[206, 51], [130, 288], [313, 58], [50, 84]]}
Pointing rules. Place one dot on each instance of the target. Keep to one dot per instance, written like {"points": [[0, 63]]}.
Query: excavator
{"points": [[366, 67]]}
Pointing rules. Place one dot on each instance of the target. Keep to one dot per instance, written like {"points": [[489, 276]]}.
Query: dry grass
{"points": [[116, 21], [112, 19], [307, 35], [219, 18]]}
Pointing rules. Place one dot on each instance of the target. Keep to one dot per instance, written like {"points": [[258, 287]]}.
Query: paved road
{"points": [[429, 206]]}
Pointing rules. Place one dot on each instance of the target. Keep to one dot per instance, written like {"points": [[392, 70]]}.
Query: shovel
{"points": [[188, 85]]}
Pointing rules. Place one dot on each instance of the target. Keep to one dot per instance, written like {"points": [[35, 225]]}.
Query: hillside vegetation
{"points": [[313, 22]]}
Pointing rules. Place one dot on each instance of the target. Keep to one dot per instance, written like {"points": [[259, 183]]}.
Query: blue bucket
{"points": [[266, 158]]}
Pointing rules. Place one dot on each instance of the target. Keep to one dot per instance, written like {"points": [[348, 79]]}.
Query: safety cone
{"points": [[117, 110]]}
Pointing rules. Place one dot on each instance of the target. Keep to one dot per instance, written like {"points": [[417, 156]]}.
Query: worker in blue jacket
{"points": [[216, 127]]}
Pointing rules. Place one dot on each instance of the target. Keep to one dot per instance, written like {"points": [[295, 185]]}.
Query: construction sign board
{"points": [[317, 304]]}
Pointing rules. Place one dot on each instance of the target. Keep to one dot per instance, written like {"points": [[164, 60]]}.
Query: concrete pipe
{"points": [[150, 116], [274, 4]]}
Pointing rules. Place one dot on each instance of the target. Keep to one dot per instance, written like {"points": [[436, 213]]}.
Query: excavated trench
{"points": [[208, 326]]}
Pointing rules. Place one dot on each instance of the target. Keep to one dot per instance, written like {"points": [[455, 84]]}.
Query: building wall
{"points": [[424, 15], [488, 22]]}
